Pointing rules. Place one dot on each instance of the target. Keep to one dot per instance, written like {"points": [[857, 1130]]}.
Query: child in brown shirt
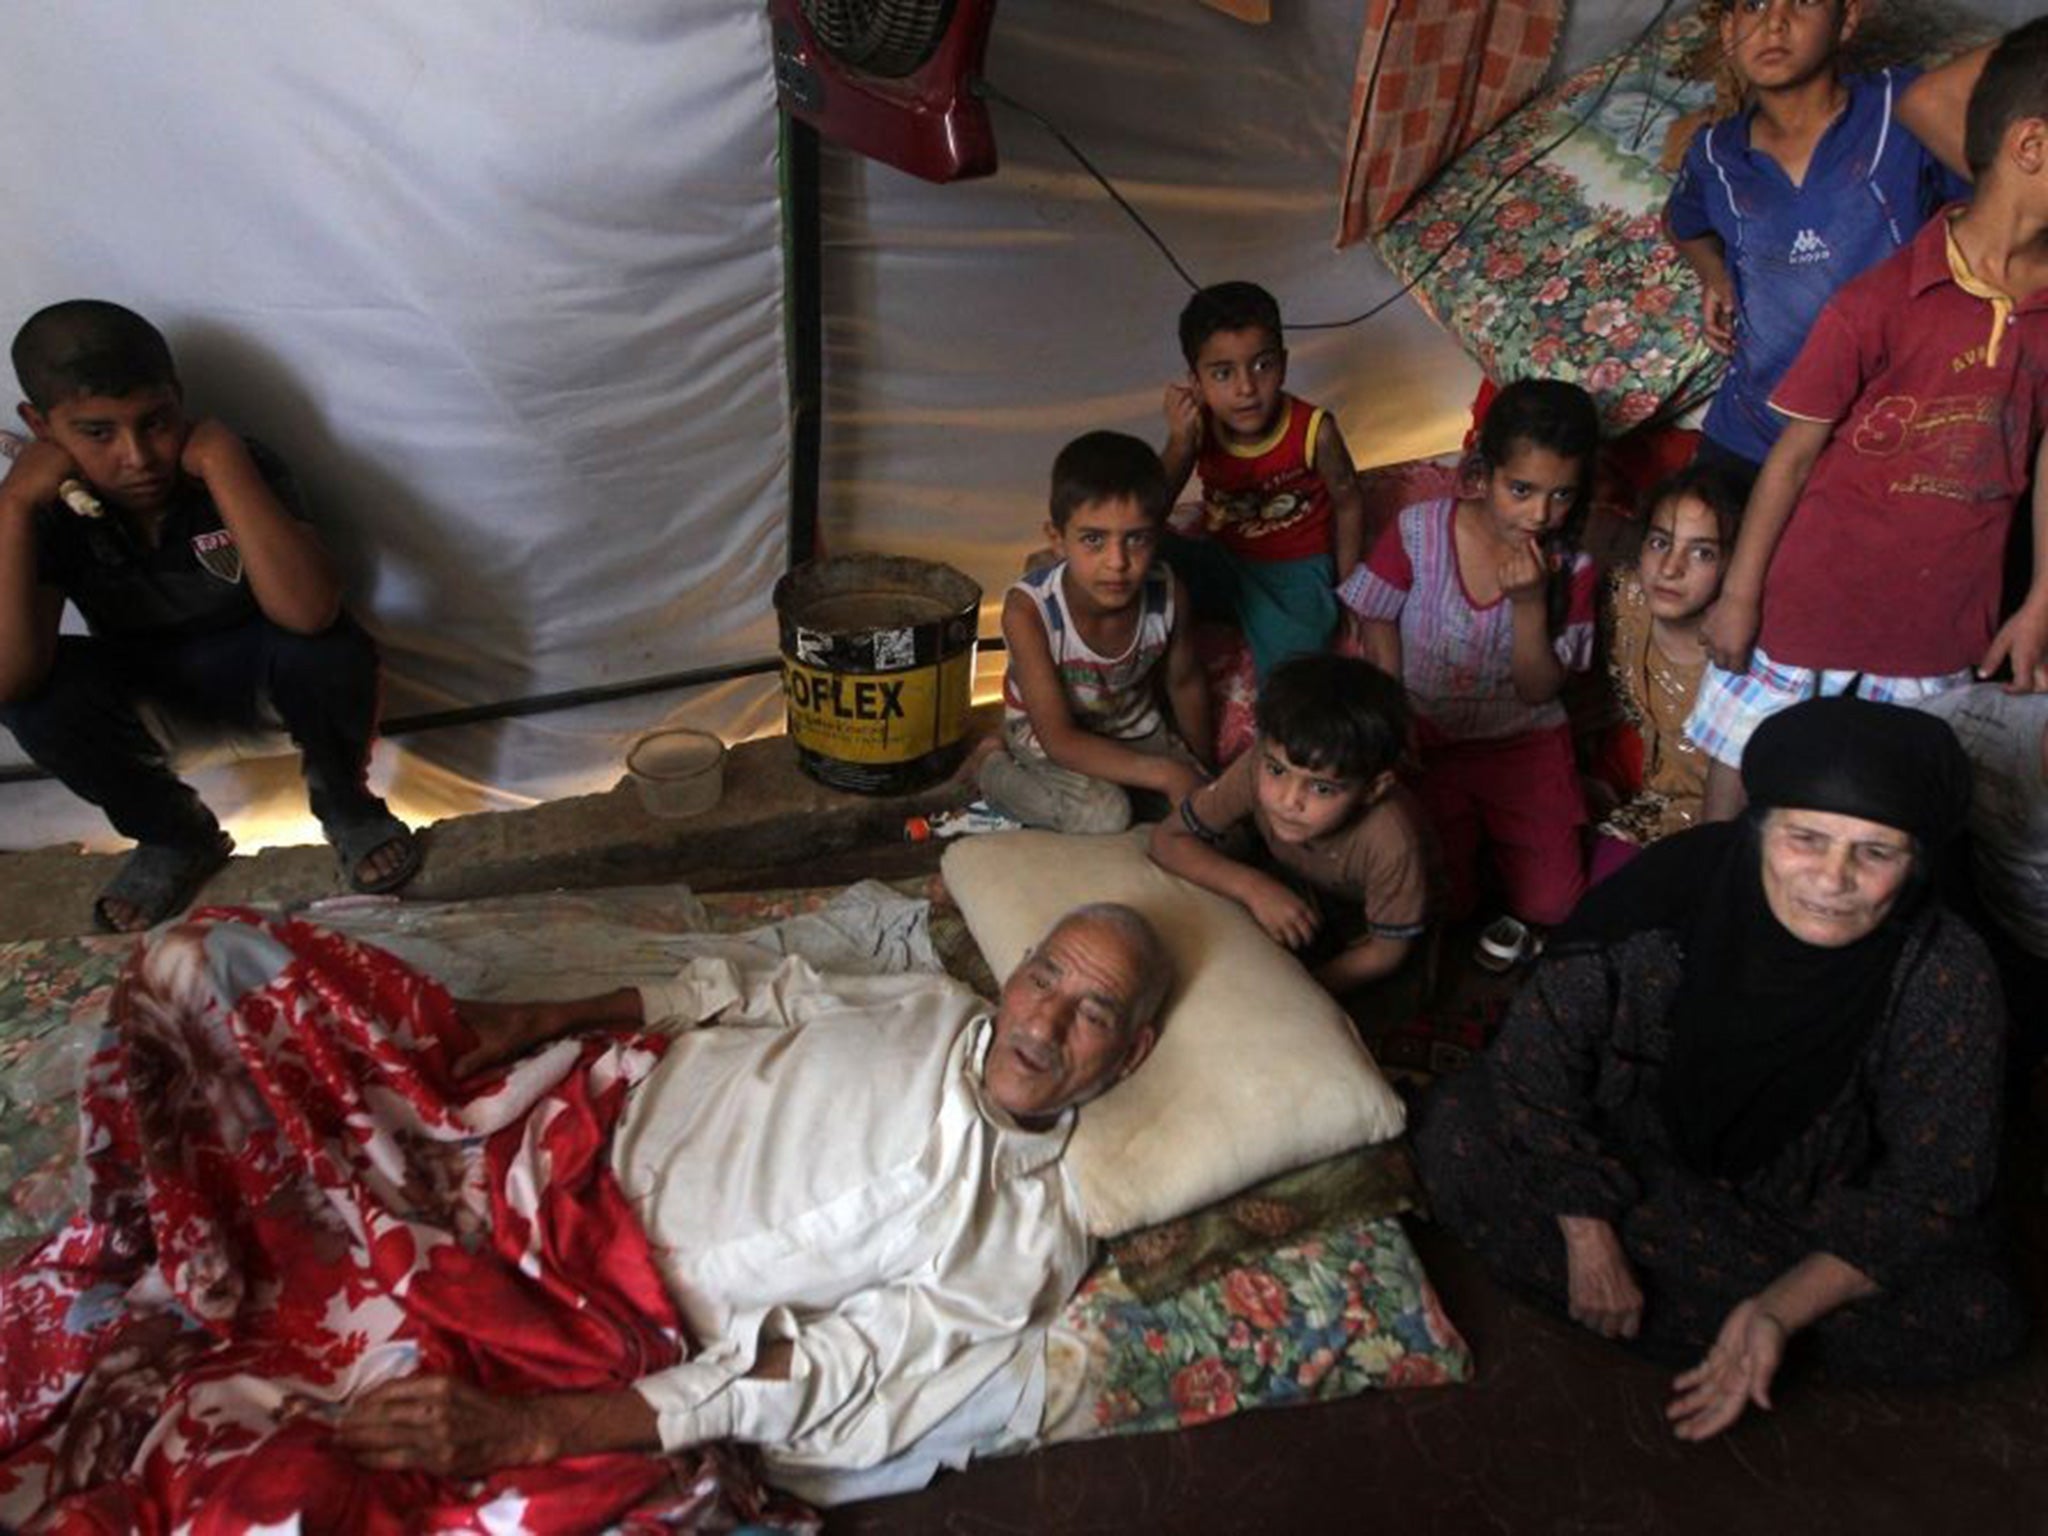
{"points": [[1340, 868]]}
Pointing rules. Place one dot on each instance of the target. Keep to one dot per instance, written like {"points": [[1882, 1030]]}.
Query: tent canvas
{"points": [[506, 284]]}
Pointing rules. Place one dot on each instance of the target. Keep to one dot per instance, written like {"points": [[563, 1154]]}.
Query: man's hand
{"points": [[2022, 640], [447, 1427], [37, 475], [1737, 1372], [1523, 572], [1285, 916], [1182, 408], [1729, 630], [1602, 1289], [506, 1031], [1717, 311]]}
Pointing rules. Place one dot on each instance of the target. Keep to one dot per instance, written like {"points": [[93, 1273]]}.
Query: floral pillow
{"points": [[1565, 271], [1342, 1309]]}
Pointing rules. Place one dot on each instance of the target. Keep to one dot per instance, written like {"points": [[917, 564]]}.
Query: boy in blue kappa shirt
{"points": [[1820, 176]]}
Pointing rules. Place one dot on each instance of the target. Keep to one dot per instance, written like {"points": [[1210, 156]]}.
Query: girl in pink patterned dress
{"points": [[1482, 605]]}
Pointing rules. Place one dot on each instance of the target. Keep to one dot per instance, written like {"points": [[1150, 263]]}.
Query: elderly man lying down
{"points": [[363, 1254]]}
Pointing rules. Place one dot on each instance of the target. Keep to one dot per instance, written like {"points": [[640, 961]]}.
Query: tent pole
{"points": [[803, 247]]}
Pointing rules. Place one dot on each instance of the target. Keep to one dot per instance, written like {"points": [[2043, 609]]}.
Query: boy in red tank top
{"points": [[1283, 516]]}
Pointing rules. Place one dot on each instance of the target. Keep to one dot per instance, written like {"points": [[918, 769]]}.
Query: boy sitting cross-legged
{"points": [[1102, 694], [1341, 870]]}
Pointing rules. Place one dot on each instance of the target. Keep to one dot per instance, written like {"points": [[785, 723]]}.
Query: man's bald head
{"points": [[1079, 1013], [1148, 952]]}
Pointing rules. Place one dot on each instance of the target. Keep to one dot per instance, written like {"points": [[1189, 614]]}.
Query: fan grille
{"points": [[881, 37]]}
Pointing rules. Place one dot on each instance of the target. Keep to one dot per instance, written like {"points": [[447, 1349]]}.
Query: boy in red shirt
{"points": [[1284, 516], [1871, 552]]}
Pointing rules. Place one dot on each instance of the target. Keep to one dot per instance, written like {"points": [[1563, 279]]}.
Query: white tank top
{"points": [[1115, 696]]}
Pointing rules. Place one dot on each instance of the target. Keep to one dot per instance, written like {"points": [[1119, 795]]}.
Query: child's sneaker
{"points": [[1504, 944], [976, 817]]}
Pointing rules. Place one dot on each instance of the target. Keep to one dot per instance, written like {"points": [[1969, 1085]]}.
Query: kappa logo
{"points": [[1808, 247], [218, 556]]}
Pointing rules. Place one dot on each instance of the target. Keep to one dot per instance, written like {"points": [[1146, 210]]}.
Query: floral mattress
{"points": [[1304, 1289], [1564, 270]]}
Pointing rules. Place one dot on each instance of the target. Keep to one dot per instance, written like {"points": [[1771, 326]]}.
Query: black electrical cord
{"points": [[989, 90], [1506, 179]]}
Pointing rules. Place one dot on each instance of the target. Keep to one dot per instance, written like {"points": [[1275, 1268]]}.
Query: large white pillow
{"points": [[1257, 1069]]}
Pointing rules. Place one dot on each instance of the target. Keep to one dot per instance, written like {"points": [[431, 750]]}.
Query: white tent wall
{"points": [[503, 281], [974, 328]]}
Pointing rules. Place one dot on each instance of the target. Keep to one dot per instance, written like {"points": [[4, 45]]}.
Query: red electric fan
{"points": [[891, 79]]}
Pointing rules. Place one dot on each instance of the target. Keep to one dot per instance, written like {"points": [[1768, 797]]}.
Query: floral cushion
{"points": [[53, 992], [1378, 1180], [1342, 1310]]}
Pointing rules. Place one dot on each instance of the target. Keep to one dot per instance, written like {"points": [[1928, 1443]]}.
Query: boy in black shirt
{"points": [[203, 586]]}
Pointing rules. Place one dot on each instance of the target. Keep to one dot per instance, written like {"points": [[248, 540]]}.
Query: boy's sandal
{"points": [[159, 880], [355, 841]]}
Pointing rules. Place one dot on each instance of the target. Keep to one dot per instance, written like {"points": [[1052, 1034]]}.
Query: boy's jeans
{"points": [[81, 726], [1024, 783]]}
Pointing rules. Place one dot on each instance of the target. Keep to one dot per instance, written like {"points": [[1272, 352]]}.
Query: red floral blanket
{"points": [[292, 1200]]}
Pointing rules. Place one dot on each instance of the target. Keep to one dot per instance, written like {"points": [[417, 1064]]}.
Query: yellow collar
{"points": [[1999, 300]]}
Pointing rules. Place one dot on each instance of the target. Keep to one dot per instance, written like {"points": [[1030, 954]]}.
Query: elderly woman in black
{"points": [[1753, 1090]]}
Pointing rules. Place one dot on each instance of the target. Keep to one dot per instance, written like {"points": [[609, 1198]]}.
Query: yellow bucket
{"points": [[877, 669]]}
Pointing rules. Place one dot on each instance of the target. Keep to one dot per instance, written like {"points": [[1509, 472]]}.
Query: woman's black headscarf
{"points": [[1767, 1028]]}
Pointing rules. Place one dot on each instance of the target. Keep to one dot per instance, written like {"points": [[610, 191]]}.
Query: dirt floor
{"points": [[1558, 1433], [773, 827]]}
